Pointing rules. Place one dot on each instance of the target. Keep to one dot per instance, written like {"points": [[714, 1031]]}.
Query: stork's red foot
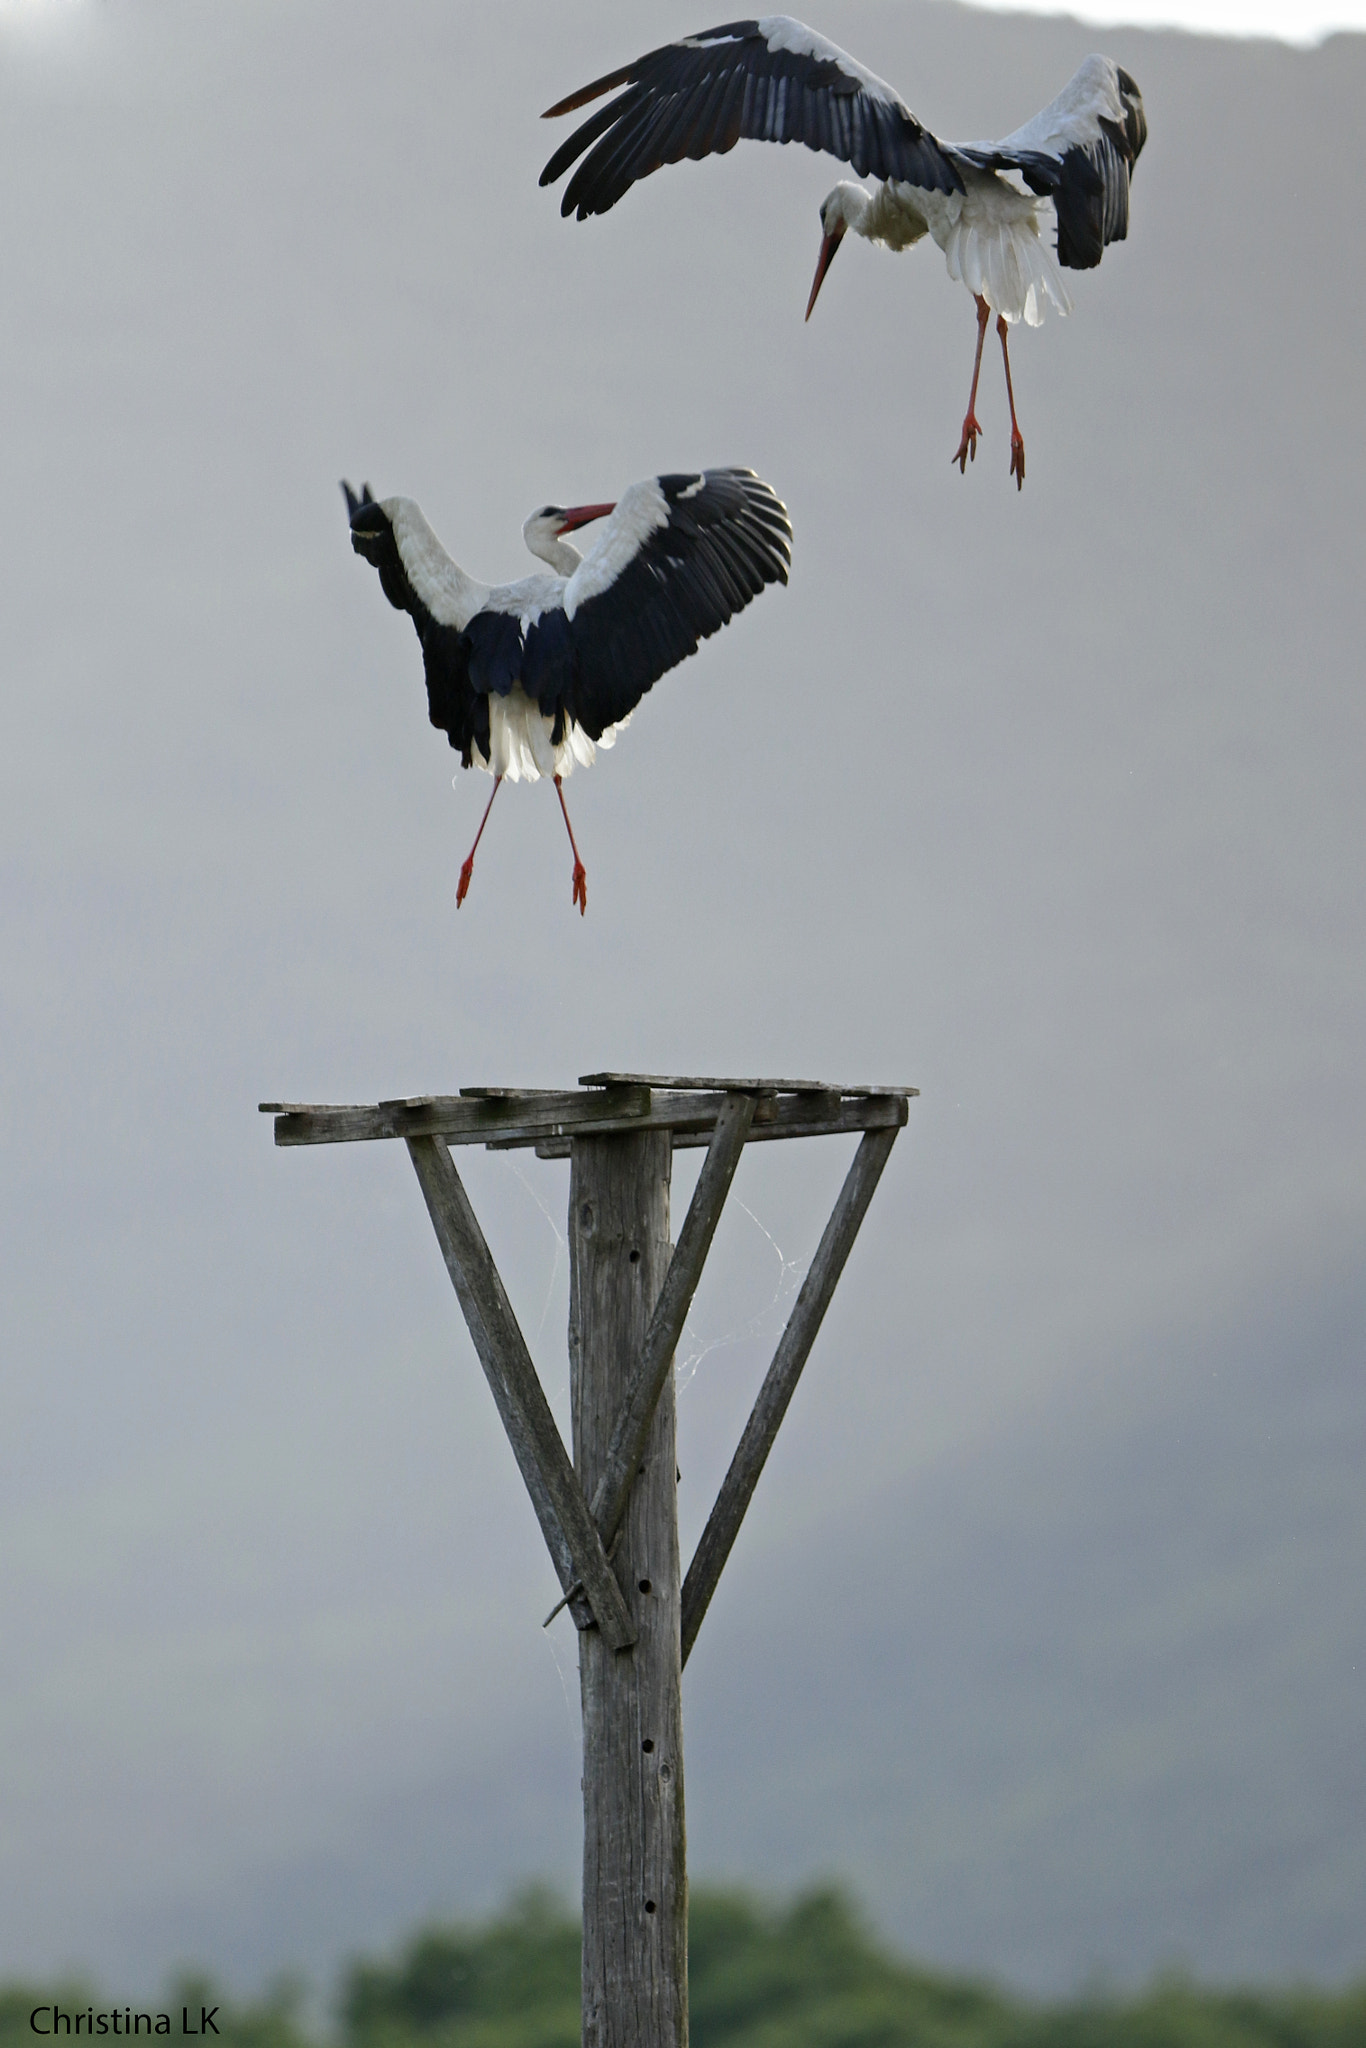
{"points": [[462, 887], [1017, 458], [967, 447]]}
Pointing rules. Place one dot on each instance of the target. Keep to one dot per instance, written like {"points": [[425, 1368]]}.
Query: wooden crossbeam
{"points": [[570, 1532], [783, 1116], [711, 1082], [550, 1119], [460, 1119], [780, 1383]]}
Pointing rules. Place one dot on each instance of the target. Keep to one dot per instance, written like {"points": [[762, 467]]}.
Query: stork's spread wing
{"points": [[772, 80], [1080, 150], [678, 557], [456, 703], [676, 560]]}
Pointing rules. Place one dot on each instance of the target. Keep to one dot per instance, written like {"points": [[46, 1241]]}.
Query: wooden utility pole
{"points": [[610, 1519], [635, 1882]]}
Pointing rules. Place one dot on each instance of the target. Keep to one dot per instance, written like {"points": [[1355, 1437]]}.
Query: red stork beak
{"points": [[829, 245], [583, 515]]}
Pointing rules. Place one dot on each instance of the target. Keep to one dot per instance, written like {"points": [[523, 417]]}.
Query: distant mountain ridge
{"points": [[1107, 1671]]}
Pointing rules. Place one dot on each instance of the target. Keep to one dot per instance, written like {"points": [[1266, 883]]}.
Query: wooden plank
{"points": [[780, 1384], [791, 1116], [569, 1530], [724, 1086], [817, 1127], [635, 1898], [536, 1117], [509, 1094], [460, 1119], [632, 1427]]}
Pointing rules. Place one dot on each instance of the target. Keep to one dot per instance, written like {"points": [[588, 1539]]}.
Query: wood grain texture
{"points": [[780, 1383], [692, 1119], [632, 1427], [561, 1509], [469, 1119], [549, 1118], [714, 1084], [635, 1901]]}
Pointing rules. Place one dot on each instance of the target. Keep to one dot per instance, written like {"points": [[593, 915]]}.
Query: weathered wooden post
{"points": [[610, 1519], [635, 1884]]}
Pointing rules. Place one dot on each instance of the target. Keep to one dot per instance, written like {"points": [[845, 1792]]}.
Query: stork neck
{"points": [[542, 534], [897, 215], [560, 555], [854, 206]]}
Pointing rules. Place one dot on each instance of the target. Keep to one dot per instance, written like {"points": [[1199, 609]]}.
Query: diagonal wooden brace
{"points": [[794, 1346], [633, 1424], [569, 1530]]}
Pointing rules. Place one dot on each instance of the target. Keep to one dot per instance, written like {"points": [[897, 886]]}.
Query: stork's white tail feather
{"points": [[1008, 264], [520, 745]]}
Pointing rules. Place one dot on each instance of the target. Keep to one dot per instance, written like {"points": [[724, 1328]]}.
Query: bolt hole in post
{"points": [[649, 1905], [644, 1585], [635, 1255], [648, 1746]]}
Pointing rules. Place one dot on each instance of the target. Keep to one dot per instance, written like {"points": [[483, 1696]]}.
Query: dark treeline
{"points": [[804, 1976]]}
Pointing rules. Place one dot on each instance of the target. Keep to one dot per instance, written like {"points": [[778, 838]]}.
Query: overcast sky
{"points": [[1048, 1626]]}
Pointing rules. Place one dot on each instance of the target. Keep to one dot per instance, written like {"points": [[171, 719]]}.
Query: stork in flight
{"points": [[775, 80], [529, 678]]}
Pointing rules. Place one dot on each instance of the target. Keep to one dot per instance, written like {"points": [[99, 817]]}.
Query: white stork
{"points": [[528, 678], [775, 80]]}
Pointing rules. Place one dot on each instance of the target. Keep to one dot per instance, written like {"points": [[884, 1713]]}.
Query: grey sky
{"points": [[1048, 805]]}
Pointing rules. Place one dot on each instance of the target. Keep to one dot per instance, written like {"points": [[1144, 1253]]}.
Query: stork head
{"points": [[842, 209], [544, 533]]}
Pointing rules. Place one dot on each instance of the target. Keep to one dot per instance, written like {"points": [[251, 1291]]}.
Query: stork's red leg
{"points": [[1016, 437], [462, 887], [580, 871], [971, 425]]}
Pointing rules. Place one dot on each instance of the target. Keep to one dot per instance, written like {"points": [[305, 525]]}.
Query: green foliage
{"points": [[17, 2001], [804, 1975], [808, 1975], [511, 1984]]}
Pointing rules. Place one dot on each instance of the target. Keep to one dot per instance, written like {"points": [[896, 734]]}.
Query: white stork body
{"points": [[775, 80], [989, 233], [521, 743], [529, 679]]}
